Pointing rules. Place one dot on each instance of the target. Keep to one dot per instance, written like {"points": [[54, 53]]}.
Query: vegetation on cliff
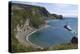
{"points": [[19, 14], [55, 16]]}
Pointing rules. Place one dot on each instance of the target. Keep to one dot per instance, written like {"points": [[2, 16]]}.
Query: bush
{"points": [[74, 40]]}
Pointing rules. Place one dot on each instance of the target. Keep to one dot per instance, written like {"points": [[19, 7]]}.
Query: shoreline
{"points": [[23, 36], [27, 37], [32, 44]]}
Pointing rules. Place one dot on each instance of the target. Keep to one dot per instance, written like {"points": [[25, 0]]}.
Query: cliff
{"points": [[36, 14], [35, 10], [35, 17]]}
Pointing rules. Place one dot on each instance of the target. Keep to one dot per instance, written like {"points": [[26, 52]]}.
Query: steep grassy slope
{"points": [[19, 14]]}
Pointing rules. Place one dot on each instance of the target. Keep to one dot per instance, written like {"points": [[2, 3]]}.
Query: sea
{"points": [[55, 33]]}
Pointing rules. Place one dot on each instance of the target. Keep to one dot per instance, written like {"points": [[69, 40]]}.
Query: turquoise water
{"points": [[55, 33]]}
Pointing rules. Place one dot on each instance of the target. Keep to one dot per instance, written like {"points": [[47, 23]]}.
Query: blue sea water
{"points": [[55, 33]]}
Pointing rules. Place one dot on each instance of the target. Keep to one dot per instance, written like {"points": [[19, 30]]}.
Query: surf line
{"points": [[27, 37]]}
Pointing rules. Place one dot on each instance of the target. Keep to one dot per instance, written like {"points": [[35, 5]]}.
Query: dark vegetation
{"points": [[37, 16], [57, 16], [74, 40]]}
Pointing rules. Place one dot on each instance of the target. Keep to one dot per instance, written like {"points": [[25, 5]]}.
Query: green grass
{"points": [[64, 46]]}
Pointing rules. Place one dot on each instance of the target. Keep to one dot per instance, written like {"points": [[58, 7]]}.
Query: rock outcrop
{"points": [[74, 40]]}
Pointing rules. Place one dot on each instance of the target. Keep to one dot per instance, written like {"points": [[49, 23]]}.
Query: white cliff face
{"points": [[18, 28], [24, 28], [33, 12], [23, 31]]}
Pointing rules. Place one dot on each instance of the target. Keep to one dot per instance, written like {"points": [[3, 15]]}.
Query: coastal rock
{"points": [[74, 40]]}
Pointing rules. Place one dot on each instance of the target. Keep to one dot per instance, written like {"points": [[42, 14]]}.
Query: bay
{"points": [[55, 33]]}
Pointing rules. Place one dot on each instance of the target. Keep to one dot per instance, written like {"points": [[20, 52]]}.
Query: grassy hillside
{"points": [[19, 14]]}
